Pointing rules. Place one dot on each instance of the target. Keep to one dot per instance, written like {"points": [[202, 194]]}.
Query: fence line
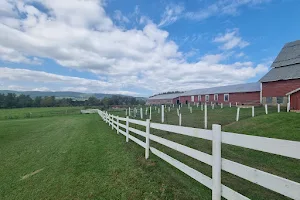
{"points": [[275, 146]]}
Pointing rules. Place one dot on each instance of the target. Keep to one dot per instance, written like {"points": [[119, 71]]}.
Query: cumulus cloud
{"points": [[24, 79], [230, 40], [89, 41]]}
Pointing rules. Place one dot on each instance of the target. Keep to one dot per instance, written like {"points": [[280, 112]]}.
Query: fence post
{"points": [[158, 110], [230, 104], [141, 113], [288, 107], [179, 119], [126, 112], [117, 124], [205, 116], [127, 129], [147, 138], [169, 109], [213, 106], [278, 108], [150, 113], [112, 122], [129, 111], [162, 113], [266, 108], [109, 120], [191, 109], [238, 114], [201, 107], [197, 105], [146, 112], [221, 105], [252, 111], [236, 104], [217, 159]]}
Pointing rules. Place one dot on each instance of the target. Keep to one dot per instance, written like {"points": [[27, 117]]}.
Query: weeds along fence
{"points": [[275, 183]]}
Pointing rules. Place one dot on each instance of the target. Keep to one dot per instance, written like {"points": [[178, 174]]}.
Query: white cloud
{"points": [[171, 14], [118, 15], [11, 55], [223, 7], [230, 40], [24, 79], [241, 54], [144, 59]]}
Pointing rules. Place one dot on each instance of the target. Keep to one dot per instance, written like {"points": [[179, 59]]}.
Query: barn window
{"points": [[279, 99], [269, 99], [192, 98], [216, 97], [226, 97], [207, 98], [199, 97]]}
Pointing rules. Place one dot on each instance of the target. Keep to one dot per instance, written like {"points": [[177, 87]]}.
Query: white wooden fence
{"points": [[275, 183]]}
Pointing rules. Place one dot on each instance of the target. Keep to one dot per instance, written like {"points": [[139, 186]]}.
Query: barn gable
{"points": [[286, 65]]}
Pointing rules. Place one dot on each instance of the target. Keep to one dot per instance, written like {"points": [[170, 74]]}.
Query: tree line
{"points": [[11, 100], [170, 92]]}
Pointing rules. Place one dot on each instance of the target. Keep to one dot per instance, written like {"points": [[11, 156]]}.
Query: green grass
{"points": [[195, 119], [274, 125], [22, 113], [80, 157]]}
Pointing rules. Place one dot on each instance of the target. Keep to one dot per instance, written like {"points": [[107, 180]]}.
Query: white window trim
{"points": [[216, 95], [207, 99], [224, 97]]}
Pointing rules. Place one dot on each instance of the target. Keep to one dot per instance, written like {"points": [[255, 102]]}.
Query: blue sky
{"points": [[140, 47]]}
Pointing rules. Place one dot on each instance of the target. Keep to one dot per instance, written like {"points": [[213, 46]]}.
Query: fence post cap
{"points": [[216, 126]]}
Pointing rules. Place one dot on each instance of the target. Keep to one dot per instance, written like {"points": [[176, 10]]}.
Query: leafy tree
{"points": [[37, 101]]}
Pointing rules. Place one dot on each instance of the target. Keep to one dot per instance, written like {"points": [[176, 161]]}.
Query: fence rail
{"points": [[275, 183]]}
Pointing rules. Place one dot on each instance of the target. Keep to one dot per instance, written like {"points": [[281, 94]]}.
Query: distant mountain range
{"points": [[72, 95]]}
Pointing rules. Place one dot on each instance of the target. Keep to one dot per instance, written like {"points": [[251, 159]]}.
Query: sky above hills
{"points": [[138, 47]]}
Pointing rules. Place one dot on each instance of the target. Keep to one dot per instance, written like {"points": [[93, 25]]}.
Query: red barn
{"points": [[248, 93], [283, 79], [294, 99], [163, 99]]}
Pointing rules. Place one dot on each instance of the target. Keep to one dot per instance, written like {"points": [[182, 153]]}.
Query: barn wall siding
{"points": [[295, 101], [279, 88], [240, 98]]}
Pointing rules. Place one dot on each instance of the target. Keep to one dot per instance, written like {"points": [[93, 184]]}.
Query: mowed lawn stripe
{"points": [[80, 157]]}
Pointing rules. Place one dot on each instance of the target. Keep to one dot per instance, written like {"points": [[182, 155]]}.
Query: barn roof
{"points": [[282, 73], [247, 87], [286, 66], [289, 55], [166, 96]]}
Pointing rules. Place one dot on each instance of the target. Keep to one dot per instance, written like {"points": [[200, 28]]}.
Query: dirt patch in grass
{"points": [[147, 163]]}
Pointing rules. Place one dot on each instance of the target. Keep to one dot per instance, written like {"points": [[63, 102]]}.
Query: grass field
{"points": [[274, 125], [195, 119], [79, 157], [22, 113]]}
